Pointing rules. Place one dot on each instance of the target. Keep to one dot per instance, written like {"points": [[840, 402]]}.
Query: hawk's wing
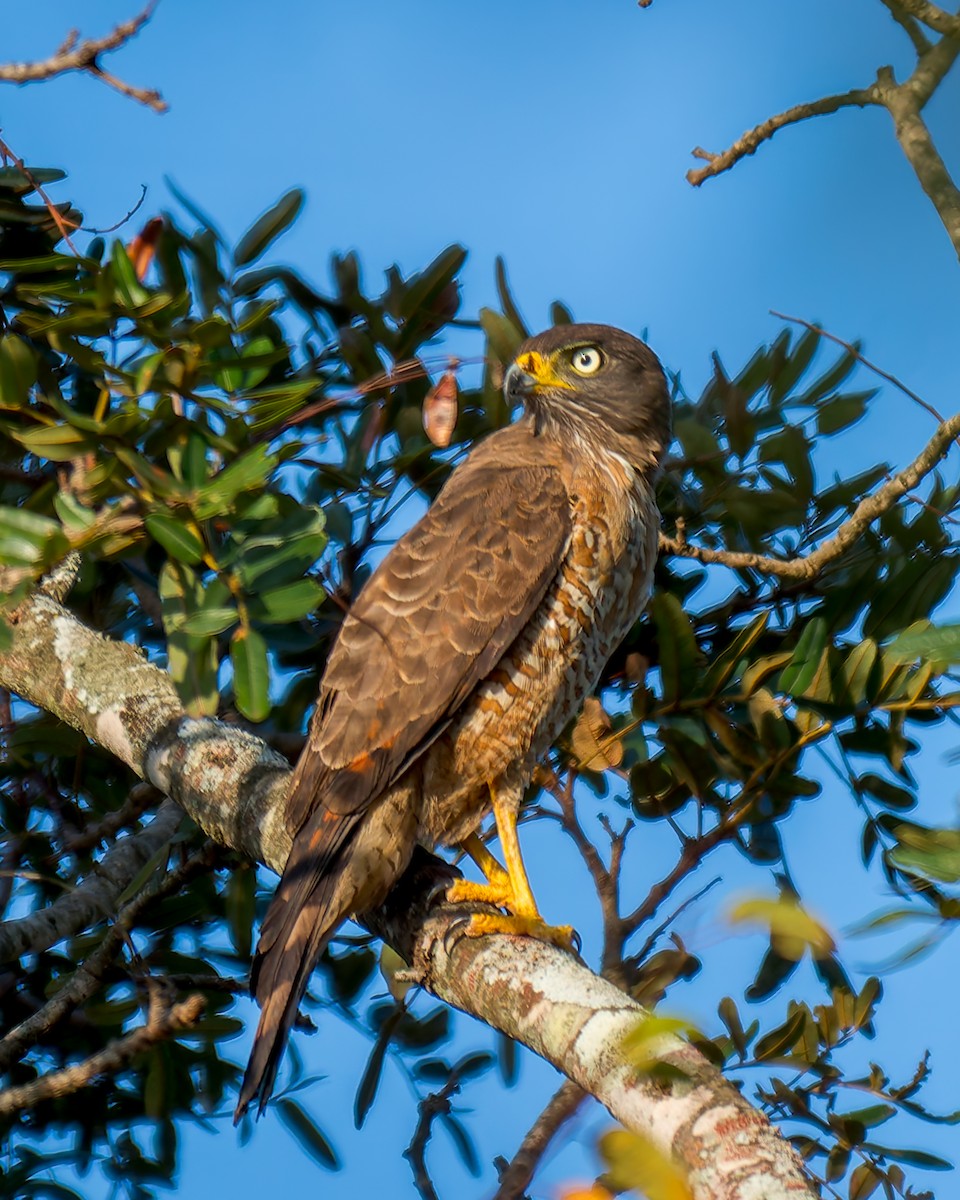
{"points": [[435, 618], [431, 623]]}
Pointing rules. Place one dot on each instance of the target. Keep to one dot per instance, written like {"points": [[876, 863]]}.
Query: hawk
{"points": [[470, 647]]}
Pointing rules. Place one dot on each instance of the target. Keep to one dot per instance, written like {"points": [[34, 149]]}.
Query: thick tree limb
{"points": [[807, 566], [234, 788], [163, 1022], [85, 56]]}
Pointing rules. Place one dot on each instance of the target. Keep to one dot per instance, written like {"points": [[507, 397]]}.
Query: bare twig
{"points": [[142, 796], [437, 1104], [123, 220], [754, 138], [163, 1021], [516, 1176], [871, 366], [807, 566], [85, 56]]}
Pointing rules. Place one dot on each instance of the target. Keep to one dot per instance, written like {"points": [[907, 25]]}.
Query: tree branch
{"points": [[807, 566], [751, 141], [234, 787], [163, 1021], [96, 897], [88, 976], [85, 56], [518, 1173], [934, 17]]}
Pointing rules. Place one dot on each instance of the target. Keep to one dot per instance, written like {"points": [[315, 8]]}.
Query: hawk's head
{"points": [[594, 383]]}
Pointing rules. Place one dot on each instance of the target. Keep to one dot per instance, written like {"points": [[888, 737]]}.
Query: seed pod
{"points": [[440, 410]]}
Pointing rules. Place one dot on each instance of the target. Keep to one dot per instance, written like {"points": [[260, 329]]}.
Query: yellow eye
{"points": [[587, 360]]}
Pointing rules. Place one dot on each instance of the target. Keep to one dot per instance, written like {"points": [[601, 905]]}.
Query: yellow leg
{"points": [[506, 888], [498, 889]]}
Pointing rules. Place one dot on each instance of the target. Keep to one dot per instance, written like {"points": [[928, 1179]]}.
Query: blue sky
{"points": [[558, 134]]}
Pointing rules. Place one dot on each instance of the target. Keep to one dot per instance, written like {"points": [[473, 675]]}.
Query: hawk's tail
{"points": [[314, 895]]}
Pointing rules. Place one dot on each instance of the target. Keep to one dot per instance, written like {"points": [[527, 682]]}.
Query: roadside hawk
{"points": [[471, 646]]}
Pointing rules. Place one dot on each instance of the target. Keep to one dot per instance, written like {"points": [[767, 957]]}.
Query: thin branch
{"points": [[437, 1104], [754, 138], [94, 898], [85, 56], [142, 796], [163, 1022], [88, 977], [807, 566], [517, 1175], [871, 366]]}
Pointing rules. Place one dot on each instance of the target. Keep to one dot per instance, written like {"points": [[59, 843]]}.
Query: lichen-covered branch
{"points": [[163, 1021], [234, 787], [74, 55], [550, 1002], [807, 566]]}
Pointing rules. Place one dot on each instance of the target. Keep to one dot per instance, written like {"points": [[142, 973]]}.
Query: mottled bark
{"points": [[234, 787]]}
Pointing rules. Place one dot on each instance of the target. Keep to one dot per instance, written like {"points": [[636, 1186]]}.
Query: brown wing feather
{"points": [[432, 622], [434, 619]]}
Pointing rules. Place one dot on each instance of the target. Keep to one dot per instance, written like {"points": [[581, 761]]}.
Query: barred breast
{"points": [[519, 709]]}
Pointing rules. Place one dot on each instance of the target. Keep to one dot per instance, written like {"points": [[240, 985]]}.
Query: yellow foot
{"points": [[564, 936], [499, 894]]}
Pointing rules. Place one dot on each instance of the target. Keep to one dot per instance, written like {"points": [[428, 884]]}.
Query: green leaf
{"points": [[503, 337], [179, 542], [27, 539], [937, 643], [864, 1182], [59, 443], [74, 515], [131, 291], [723, 666], [887, 793], [18, 371], [310, 1137], [856, 669], [250, 471], [635, 1162], [289, 603], [677, 646], [799, 672], [251, 673], [208, 622], [840, 411], [268, 228], [931, 852]]}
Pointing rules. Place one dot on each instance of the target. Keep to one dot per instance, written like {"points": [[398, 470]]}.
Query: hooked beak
{"points": [[531, 373]]}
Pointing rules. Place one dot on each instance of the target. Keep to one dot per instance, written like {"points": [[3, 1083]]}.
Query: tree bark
{"points": [[234, 787]]}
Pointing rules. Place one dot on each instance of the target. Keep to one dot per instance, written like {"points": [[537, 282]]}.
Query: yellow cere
{"points": [[542, 370]]}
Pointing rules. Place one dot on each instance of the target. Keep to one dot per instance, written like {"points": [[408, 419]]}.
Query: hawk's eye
{"points": [[587, 360]]}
